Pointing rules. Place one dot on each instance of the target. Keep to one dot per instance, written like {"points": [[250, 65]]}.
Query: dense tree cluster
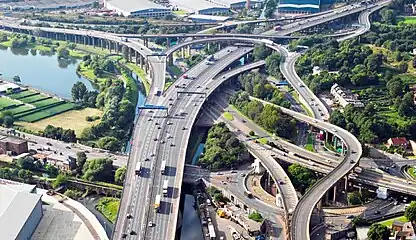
{"points": [[256, 85], [114, 100], [410, 212], [66, 135], [217, 195], [98, 65], [222, 148], [269, 117], [256, 216], [194, 59], [270, 8], [378, 232], [301, 177], [80, 94], [261, 51], [100, 169]]}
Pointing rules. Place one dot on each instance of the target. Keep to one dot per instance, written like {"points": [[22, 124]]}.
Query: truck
{"points": [[211, 232], [211, 58], [165, 187], [158, 92], [163, 167], [138, 168], [157, 203]]}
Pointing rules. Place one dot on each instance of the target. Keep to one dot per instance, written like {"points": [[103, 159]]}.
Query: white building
{"points": [[345, 97], [145, 9]]}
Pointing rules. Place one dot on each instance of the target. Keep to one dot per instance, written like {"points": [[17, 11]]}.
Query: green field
{"points": [[34, 98], [20, 109], [48, 112], [389, 222], [5, 102], [310, 144], [408, 19], [45, 102], [22, 94]]}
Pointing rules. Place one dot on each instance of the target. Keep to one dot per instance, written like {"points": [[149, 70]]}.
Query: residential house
{"points": [[398, 142]]}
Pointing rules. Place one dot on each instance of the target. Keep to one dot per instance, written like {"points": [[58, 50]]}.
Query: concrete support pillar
{"points": [[219, 46], [326, 197], [208, 46], [167, 42], [326, 137], [335, 194], [136, 57], [130, 51], [189, 50], [346, 184], [170, 59], [146, 42], [93, 41], [343, 147], [146, 67], [57, 36], [85, 40], [183, 52], [141, 61], [102, 44]]}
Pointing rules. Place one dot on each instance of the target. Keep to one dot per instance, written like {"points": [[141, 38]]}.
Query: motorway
{"points": [[171, 151]]}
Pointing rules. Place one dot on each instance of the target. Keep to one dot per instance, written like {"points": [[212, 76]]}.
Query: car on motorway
{"points": [[170, 104], [129, 216], [350, 216], [154, 139], [162, 141], [172, 145], [159, 127], [183, 128], [152, 155], [314, 121], [243, 175], [169, 123], [352, 161], [149, 119], [233, 171], [156, 123], [146, 159], [377, 212], [195, 104], [49, 144], [170, 99], [150, 224], [281, 182], [220, 173], [334, 130]]}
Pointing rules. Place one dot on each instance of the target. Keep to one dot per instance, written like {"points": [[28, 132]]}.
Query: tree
{"points": [[78, 91], [16, 78], [100, 169], [260, 51], [302, 177], [272, 64], [8, 121], [395, 87], [378, 232], [25, 175], [256, 216], [403, 66], [125, 51], [354, 198], [410, 212], [59, 180], [26, 163], [388, 16], [109, 143], [62, 52], [120, 175], [81, 159], [358, 221]]}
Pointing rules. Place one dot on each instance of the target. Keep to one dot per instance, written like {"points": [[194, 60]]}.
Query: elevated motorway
{"points": [[165, 144]]}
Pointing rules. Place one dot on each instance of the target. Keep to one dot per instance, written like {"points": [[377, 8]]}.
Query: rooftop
{"points": [[399, 141], [14, 140], [196, 5], [133, 6], [209, 17], [16, 204]]}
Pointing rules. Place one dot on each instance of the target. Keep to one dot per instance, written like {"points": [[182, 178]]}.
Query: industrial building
{"points": [[345, 97], [207, 18], [13, 145], [144, 9], [239, 4], [20, 210], [201, 7], [299, 6]]}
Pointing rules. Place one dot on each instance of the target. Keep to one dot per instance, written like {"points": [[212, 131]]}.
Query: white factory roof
{"points": [[7, 85], [229, 2], [134, 5], [195, 5], [16, 205], [209, 17]]}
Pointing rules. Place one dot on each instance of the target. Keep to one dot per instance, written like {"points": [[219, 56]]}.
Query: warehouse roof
{"points": [[209, 17], [196, 5], [16, 205], [134, 6]]}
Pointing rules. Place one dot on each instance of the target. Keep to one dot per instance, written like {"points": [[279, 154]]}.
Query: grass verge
{"points": [[108, 207], [228, 116], [390, 221]]}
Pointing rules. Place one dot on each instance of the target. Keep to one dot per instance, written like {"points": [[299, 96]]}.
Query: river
{"points": [[40, 71]]}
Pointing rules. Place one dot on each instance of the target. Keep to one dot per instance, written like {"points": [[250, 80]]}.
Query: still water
{"points": [[41, 71]]}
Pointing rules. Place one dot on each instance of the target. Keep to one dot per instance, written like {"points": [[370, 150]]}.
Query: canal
{"points": [[40, 71]]}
